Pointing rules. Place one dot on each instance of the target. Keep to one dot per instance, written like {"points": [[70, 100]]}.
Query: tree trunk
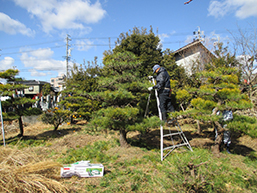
{"points": [[218, 141], [182, 107], [123, 138], [198, 131], [21, 127], [56, 127]]}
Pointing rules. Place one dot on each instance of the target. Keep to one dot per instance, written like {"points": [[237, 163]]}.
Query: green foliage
{"points": [[244, 124], [80, 104], [55, 117], [183, 96], [46, 90], [145, 124], [143, 44], [202, 104], [95, 153], [196, 171], [219, 89], [32, 111], [202, 173], [17, 104], [10, 89], [119, 97], [9, 74], [116, 118], [83, 80], [121, 91]]}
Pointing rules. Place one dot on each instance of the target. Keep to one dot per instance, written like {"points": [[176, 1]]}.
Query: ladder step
{"points": [[171, 134], [174, 146]]}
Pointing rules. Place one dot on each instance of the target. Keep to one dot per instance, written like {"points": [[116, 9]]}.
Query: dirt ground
{"points": [[69, 137]]}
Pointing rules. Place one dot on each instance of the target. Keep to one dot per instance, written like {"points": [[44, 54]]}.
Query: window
{"points": [[31, 88]]}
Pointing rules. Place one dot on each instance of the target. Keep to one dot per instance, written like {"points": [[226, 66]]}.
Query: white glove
{"points": [[150, 88], [150, 77]]}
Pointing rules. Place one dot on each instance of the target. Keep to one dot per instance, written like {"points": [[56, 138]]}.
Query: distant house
{"points": [[190, 53], [34, 88], [58, 83]]}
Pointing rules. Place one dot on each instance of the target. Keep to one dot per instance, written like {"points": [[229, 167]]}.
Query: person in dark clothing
{"points": [[164, 91]]}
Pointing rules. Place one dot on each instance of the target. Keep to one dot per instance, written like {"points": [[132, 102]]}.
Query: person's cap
{"points": [[156, 66]]}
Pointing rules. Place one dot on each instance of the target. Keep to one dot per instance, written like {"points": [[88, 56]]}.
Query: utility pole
{"points": [[110, 44], [67, 57], [199, 35]]}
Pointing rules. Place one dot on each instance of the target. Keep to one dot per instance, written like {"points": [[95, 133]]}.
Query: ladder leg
{"points": [[180, 133]]}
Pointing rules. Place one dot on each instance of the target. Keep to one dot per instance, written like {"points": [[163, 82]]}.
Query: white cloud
{"points": [[35, 73], [242, 8], [63, 14], [6, 63], [166, 35], [189, 39], [11, 26], [84, 45], [41, 60]]}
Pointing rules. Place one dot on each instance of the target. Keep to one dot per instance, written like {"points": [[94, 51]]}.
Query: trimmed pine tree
{"points": [[121, 91]]}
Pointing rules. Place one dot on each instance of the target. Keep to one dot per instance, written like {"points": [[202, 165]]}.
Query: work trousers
{"points": [[165, 102]]}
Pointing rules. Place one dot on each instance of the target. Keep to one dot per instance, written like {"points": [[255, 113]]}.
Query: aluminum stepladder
{"points": [[179, 132]]}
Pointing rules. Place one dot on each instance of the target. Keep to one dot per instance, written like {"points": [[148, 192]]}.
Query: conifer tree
{"points": [[219, 91], [145, 45], [15, 104], [124, 79], [82, 80], [121, 90]]}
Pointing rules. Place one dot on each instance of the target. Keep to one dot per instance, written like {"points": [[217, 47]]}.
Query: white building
{"points": [[58, 82], [190, 53]]}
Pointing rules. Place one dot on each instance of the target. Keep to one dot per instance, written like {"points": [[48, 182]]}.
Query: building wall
{"points": [[188, 61], [189, 56], [58, 82], [32, 89]]}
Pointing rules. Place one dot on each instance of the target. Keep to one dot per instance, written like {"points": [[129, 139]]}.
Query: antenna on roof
{"points": [[199, 35]]}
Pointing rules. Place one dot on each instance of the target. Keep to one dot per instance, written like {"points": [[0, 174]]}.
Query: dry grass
{"points": [[31, 169], [24, 172]]}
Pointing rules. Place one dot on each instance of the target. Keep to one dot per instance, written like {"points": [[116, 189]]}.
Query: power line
{"points": [[28, 51], [95, 45], [36, 44], [90, 38], [29, 70]]}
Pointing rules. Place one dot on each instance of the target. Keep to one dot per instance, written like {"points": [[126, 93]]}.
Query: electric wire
{"points": [[95, 45], [28, 51]]}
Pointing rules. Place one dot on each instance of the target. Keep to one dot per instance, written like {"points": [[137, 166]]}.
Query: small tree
{"points": [[245, 48], [55, 117], [17, 105], [47, 89]]}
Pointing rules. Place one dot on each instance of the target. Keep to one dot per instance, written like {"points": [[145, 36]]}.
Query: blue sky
{"points": [[33, 33]]}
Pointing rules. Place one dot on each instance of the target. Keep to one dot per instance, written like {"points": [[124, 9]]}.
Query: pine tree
{"points": [[83, 80], [15, 104], [145, 45], [121, 91], [147, 48], [219, 91]]}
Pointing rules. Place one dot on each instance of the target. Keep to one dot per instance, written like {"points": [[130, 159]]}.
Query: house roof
{"points": [[32, 82], [191, 45]]}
